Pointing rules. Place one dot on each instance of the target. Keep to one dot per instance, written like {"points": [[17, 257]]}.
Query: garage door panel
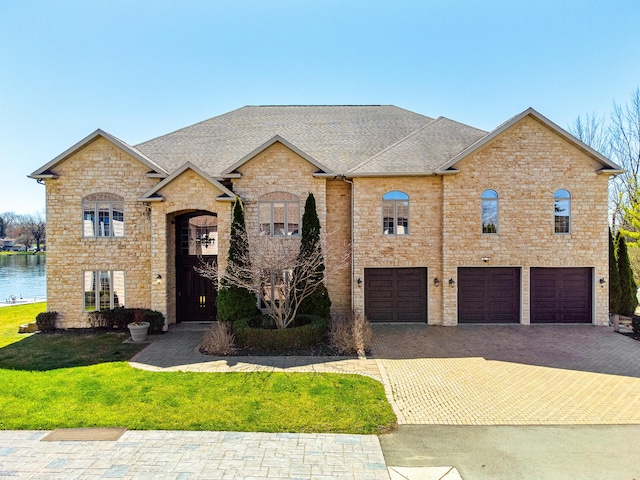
{"points": [[561, 295], [396, 294], [489, 295]]}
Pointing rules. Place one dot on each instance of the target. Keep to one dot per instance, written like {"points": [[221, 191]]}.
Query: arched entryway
{"points": [[196, 242]]}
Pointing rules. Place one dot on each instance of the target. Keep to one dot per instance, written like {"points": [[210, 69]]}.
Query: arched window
{"points": [[490, 211], [562, 211], [279, 214], [103, 215], [395, 213]]}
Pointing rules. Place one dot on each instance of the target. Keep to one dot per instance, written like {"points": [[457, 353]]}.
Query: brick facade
{"points": [[99, 167], [525, 165]]}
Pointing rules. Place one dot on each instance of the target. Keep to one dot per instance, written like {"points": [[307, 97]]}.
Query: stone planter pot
{"points": [[139, 331]]}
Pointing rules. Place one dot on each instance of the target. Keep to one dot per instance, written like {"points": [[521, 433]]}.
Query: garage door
{"points": [[488, 295], [395, 294], [561, 295]]}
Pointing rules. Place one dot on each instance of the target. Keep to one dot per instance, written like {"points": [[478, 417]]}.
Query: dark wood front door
{"points": [[488, 295], [196, 242], [395, 294], [561, 295]]}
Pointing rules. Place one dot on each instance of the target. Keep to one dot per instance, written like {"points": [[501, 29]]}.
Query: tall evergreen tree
{"points": [[318, 303], [628, 300], [615, 289], [235, 302]]}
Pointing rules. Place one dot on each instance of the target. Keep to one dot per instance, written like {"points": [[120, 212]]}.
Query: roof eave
{"points": [[389, 174], [610, 171], [43, 176]]}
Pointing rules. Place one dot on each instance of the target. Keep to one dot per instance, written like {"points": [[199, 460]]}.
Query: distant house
{"points": [[447, 223], [10, 245]]}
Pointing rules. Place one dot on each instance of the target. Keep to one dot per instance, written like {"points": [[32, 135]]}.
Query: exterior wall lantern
{"points": [[359, 282], [436, 281], [159, 279], [451, 282]]}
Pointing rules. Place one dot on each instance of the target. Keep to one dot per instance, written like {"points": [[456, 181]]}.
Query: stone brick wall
{"points": [[339, 231], [525, 165], [99, 167], [279, 169], [421, 248]]}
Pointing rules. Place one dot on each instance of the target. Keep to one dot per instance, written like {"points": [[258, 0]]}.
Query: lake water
{"points": [[22, 276]]}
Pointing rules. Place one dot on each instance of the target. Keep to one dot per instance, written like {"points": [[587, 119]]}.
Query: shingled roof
{"points": [[339, 137]]}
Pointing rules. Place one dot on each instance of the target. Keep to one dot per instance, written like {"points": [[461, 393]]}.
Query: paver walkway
{"points": [[174, 455], [509, 375]]}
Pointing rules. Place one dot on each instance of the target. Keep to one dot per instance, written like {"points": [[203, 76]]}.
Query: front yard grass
{"points": [[66, 380]]}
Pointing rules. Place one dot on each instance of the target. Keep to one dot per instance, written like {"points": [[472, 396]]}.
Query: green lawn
{"points": [[12, 317], [80, 380]]}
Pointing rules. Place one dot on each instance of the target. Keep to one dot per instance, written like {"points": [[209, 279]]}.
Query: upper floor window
{"points": [[103, 215], [562, 211], [395, 213], [279, 214], [489, 211], [103, 290]]}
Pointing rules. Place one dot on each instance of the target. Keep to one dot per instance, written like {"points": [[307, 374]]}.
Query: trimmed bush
{"points": [[318, 303], [615, 290], [120, 317], [259, 332], [628, 300], [46, 321], [635, 324], [235, 303]]}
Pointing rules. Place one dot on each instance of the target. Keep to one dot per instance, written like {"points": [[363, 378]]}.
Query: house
{"points": [[10, 245], [447, 223]]}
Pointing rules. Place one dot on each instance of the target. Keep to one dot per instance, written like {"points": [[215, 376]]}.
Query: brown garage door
{"points": [[561, 295], [395, 294], [488, 294]]}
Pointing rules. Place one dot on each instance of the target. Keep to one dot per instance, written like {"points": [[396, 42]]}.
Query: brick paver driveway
{"points": [[509, 375]]}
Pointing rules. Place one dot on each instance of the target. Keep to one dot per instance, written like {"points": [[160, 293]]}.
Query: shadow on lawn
{"points": [[66, 349]]}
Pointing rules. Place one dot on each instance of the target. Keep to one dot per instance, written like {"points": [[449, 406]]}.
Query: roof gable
{"points": [[275, 139], [46, 170], [608, 166], [153, 194]]}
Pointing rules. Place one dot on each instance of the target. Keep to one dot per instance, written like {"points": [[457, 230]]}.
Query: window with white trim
{"points": [[562, 211], [490, 212], [279, 214], [103, 215], [395, 213], [103, 289]]}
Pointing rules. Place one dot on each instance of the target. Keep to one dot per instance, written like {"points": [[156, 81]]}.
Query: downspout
{"points": [[350, 182]]}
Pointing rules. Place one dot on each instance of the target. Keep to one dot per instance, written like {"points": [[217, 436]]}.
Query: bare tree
{"points": [[32, 229], [618, 139], [11, 224], [278, 275]]}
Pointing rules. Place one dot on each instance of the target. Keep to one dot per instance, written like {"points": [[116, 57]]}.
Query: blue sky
{"points": [[140, 69]]}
